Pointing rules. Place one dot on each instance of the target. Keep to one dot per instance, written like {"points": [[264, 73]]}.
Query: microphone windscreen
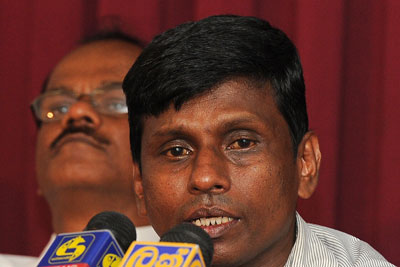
{"points": [[190, 233], [120, 225]]}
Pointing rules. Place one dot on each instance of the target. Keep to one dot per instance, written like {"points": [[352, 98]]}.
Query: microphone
{"points": [[185, 245], [120, 226], [103, 243]]}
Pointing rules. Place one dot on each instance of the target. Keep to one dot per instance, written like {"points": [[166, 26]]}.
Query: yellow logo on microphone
{"points": [[71, 249], [111, 260], [162, 254]]}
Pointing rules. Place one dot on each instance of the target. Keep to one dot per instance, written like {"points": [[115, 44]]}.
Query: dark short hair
{"points": [[194, 57]]}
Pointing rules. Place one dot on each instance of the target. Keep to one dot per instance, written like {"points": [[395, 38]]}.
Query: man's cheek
{"points": [[155, 199], [160, 211]]}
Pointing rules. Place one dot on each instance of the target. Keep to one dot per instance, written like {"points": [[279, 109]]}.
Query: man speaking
{"points": [[220, 138]]}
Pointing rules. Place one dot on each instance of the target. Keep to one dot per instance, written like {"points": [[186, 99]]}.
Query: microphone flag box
{"points": [[168, 254], [83, 249]]}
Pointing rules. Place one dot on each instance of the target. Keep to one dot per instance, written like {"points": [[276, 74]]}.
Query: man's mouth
{"points": [[215, 222], [211, 221], [77, 138], [80, 134]]}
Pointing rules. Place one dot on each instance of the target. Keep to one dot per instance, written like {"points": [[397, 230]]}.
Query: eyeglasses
{"points": [[54, 104]]}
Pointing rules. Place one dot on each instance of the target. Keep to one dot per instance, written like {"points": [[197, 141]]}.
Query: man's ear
{"points": [[308, 163], [138, 187]]}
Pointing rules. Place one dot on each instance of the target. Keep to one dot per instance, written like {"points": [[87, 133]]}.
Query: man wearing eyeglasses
{"points": [[83, 161]]}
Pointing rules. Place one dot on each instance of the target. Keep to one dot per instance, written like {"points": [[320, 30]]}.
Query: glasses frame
{"points": [[36, 103]]}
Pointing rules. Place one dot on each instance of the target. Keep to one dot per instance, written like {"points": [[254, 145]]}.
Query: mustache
{"points": [[82, 129], [208, 200]]}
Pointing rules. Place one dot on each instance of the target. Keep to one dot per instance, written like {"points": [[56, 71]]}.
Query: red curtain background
{"points": [[351, 58]]}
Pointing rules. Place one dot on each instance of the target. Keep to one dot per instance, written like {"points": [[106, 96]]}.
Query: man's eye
{"points": [[61, 109], [115, 106], [241, 144], [55, 111], [177, 152]]}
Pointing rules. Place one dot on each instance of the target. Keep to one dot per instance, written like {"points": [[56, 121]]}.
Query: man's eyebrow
{"points": [[229, 125], [170, 133], [238, 123], [58, 88], [110, 85], [103, 85]]}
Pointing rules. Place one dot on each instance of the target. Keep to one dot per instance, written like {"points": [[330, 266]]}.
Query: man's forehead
{"points": [[104, 56], [104, 48], [232, 103], [101, 62], [244, 84]]}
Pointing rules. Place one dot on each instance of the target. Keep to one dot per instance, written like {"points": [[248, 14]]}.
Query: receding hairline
{"points": [[105, 44], [137, 49]]}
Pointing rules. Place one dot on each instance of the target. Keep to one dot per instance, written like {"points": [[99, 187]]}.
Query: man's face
{"points": [[100, 158], [223, 161]]}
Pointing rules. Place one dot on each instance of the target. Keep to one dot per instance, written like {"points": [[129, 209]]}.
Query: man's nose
{"points": [[209, 173], [81, 113]]}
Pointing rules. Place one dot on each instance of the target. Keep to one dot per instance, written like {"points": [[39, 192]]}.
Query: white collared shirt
{"points": [[8, 260], [319, 246]]}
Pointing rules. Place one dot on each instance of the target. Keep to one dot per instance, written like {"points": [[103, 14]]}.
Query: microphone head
{"points": [[190, 233], [120, 225]]}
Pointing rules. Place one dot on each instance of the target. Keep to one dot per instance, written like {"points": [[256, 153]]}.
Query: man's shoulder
{"points": [[317, 245], [348, 248], [8, 260]]}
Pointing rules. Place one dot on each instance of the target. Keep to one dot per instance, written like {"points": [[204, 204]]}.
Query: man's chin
{"points": [[73, 168], [73, 185]]}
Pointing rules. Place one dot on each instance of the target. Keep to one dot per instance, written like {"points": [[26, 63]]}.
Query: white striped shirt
{"points": [[319, 246]]}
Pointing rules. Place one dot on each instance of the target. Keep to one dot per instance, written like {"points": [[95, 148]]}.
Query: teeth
{"points": [[212, 221]]}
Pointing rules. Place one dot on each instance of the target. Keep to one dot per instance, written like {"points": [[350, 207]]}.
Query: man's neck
{"points": [[71, 211]]}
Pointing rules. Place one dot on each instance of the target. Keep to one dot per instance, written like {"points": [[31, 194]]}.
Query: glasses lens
{"points": [[54, 106], [111, 102]]}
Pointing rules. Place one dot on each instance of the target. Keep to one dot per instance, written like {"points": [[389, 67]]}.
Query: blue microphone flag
{"points": [[83, 249]]}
